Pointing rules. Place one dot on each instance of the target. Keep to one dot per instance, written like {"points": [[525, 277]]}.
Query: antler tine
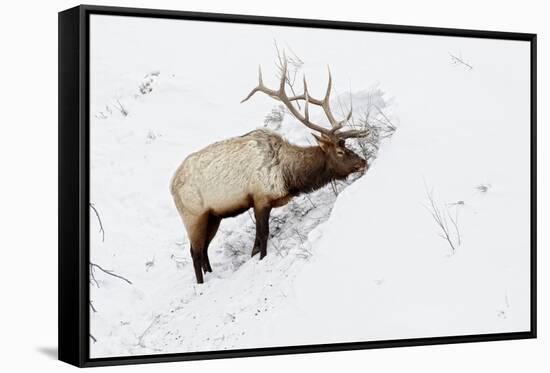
{"points": [[348, 117], [325, 104], [329, 87], [350, 133], [306, 95], [343, 121], [249, 95], [260, 87], [353, 133], [280, 95]]}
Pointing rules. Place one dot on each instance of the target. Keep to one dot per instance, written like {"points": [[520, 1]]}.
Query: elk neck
{"points": [[305, 169]]}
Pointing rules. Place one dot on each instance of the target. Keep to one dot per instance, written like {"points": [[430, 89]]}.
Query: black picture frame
{"points": [[74, 191]]}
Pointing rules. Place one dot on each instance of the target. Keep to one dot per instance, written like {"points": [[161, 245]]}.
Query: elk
{"points": [[260, 170]]}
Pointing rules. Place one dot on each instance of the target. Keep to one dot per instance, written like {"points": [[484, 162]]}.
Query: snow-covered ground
{"points": [[367, 265]]}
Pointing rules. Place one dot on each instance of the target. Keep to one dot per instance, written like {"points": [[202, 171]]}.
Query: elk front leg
{"points": [[211, 229], [262, 230]]}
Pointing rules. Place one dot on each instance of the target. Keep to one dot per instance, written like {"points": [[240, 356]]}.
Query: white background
{"points": [[29, 189]]}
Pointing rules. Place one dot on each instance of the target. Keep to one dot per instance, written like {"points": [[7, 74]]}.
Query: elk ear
{"points": [[323, 142]]}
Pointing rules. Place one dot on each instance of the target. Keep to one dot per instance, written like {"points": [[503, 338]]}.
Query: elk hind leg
{"points": [[197, 229]]}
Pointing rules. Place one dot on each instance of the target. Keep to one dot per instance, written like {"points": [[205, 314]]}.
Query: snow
{"points": [[367, 265]]}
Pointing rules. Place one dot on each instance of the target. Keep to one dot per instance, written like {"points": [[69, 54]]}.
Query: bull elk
{"points": [[260, 170]]}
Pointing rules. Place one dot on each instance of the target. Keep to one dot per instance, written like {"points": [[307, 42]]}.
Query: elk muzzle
{"points": [[360, 166]]}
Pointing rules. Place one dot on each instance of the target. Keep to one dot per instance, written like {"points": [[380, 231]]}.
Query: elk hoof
{"points": [[255, 251]]}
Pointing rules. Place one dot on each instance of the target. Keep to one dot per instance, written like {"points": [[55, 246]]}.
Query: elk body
{"points": [[259, 170]]}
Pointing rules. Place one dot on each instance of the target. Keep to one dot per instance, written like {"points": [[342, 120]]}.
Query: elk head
{"points": [[341, 161]]}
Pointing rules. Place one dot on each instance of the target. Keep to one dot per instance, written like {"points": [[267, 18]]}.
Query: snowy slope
{"points": [[148, 246], [377, 268], [387, 274]]}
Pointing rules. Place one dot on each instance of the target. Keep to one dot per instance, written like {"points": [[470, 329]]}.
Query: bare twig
{"points": [[459, 61], [389, 123], [275, 117], [440, 218], [101, 230], [92, 306], [93, 338], [92, 277], [372, 120], [278, 249], [299, 235], [334, 187], [302, 245], [140, 338], [310, 201], [121, 108], [294, 61], [109, 272], [454, 221]]}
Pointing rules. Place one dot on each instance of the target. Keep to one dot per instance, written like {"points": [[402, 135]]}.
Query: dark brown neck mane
{"points": [[305, 170]]}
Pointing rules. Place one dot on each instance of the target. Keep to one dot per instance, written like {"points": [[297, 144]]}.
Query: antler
{"points": [[333, 133]]}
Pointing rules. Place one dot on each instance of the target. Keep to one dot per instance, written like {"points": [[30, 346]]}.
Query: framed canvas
{"points": [[235, 186]]}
